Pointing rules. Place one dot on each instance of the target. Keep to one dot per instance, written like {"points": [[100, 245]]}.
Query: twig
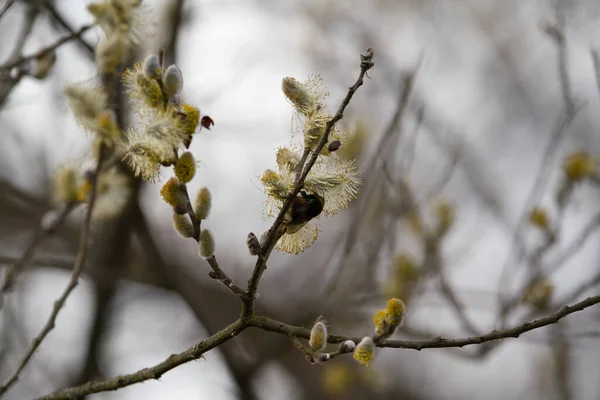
{"points": [[77, 269], [193, 353], [62, 22], [43, 233], [220, 275], [20, 60], [271, 325], [5, 8], [274, 233]]}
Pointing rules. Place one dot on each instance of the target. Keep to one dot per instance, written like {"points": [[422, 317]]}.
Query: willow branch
{"points": [[60, 302], [274, 233], [193, 353]]}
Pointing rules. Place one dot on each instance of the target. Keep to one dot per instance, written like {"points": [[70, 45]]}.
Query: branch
{"points": [[20, 60], [274, 233], [271, 325], [5, 8], [77, 269], [193, 353], [62, 22]]}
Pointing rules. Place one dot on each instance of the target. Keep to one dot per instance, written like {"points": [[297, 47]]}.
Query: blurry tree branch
{"points": [[65, 25], [77, 269], [5, 8]]}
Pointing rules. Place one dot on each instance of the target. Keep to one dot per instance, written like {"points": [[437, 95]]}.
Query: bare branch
{"points": [[77, 269], [193, 353]]}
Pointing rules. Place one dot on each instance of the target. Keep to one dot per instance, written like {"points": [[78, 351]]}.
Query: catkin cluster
{"points": [[334, 178]]}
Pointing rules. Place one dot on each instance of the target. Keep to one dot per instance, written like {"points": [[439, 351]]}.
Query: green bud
{"points": [[206, 244], [172, 194], [185, 169], [151, 66], [183, 225], [172, 80], [203, 203]]}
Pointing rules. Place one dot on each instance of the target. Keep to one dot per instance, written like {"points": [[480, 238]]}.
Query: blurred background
{"points": [[470, 119]]}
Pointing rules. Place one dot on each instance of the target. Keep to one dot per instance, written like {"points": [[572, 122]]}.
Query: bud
{"points": [[172, 80], [445, 217], [253, 244], [207, 122], [185, 169], [262, 239], [318, 337], [203, 203], [579, 165], [172, 194], [183, 225], [394, 309], [151, 67], [365, 351], [347, 346], [296, 93], [206, 244], [334, 146], [379, 319], [539, 217], [42, 65], [324, 357]]}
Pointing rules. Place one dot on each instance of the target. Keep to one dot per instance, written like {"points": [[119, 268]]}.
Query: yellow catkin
{"points": [[185, 169]]}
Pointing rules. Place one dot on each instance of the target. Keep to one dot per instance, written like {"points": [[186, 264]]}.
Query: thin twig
{"points": [[42, 234], [5, 8], [77, 269], [274, 232], [20, 60], [62, 22]]}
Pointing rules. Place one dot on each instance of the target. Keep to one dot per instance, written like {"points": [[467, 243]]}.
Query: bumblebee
{"points": [[304, 208]]}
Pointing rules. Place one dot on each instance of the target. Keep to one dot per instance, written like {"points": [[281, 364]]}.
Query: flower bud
{"points": [[203, 203], [365, 351], [253, 244], [318, 337], [206, 244], [172, 194], [379, 320], [539, 218], [296, 92], [183, 225], [579, 165], [151, 67], [185, 169], [347, 346], [172, 80], [394, 309]]}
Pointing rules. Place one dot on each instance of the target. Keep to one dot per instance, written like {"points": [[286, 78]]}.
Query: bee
{"points": [[304, 208]]}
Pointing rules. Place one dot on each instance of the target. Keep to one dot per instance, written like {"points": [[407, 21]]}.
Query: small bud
{"points": [[203, 203], [42, 65], [253, 244], [365, 351], [296, 92], [394, 309], [347, 346], [334, 146], [212, 275], [318, 337], [207, 122], [172, 80], [185, 169], [539, 294], [445, 217], [183, 225], [172, 194], [579, 165], [151, 67], [539, 217], [379, 320], [324, 357], [262, 239], [206, 244]]}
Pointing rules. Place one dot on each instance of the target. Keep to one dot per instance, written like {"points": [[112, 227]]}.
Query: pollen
{"points": [[185, 169]]}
